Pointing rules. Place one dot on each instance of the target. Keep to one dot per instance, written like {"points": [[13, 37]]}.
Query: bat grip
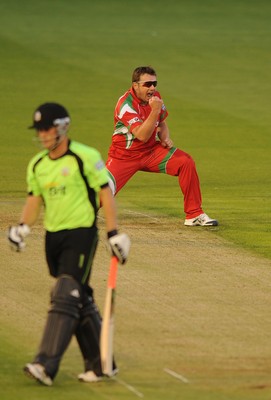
{"points": [[113, 270]]}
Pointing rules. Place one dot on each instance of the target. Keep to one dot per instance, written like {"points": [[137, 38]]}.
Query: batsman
{"points": [[69, 180]]}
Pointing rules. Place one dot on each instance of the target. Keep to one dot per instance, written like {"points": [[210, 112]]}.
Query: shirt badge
{"points": [[65, 171], [99, 165]]}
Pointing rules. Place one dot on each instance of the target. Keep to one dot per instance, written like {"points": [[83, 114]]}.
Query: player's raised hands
{"points": [[156, 103]]}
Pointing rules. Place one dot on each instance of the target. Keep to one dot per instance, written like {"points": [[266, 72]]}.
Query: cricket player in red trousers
{"points": [[141, 142]]}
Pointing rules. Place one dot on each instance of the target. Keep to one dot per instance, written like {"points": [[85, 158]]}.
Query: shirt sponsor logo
{"points": [[57, 191], [99, 165], [133, 120]]}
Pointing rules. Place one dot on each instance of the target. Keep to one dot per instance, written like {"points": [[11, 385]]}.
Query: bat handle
{"points": [[113, 270]]}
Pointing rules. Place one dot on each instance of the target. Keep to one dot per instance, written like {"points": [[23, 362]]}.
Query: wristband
{"points": [[112, 233]]}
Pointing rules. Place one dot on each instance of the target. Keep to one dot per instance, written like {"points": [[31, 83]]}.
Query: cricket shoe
{"points": [[90, 376], [201, 220], [37, 372]]}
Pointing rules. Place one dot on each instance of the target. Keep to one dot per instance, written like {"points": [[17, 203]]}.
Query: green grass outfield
{"points": [[213, 63]]}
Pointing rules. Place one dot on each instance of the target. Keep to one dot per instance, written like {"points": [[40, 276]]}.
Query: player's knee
{"points": [[187, 162], [181, 163], [89, 308], [66, 296]]}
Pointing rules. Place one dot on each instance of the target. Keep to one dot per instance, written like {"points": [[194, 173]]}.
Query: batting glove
{"points": [[119, 245], [16, 235]]}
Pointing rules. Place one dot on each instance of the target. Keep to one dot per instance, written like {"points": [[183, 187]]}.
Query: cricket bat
{"points": [[107, 330]]}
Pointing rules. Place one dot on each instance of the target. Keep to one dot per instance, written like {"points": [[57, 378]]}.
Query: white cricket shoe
{"points": [[201, 220], [37, 372], [90, 376]]}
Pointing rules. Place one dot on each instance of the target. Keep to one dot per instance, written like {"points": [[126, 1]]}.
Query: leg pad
{"points": [[61, 323]]}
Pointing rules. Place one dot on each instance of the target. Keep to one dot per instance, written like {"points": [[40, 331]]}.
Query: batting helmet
{"points": [[48, 115]]}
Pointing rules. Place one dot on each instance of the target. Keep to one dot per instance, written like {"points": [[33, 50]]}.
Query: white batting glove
{"points": [[119, 245], [16, 235]]}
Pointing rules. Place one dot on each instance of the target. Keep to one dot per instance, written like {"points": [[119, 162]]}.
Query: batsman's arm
{"points": [[109, 208], [119, 243], [31, 210]]}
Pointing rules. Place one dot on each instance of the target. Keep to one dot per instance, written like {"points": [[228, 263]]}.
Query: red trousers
{"points": [[172, 161]]}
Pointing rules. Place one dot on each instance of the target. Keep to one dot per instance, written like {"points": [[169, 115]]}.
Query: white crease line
{"points": [[129, 387], [135, 213], [140, 214], [178, 376]]}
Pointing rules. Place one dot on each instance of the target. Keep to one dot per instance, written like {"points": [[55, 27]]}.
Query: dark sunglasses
{"points": [[148, 83]]}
